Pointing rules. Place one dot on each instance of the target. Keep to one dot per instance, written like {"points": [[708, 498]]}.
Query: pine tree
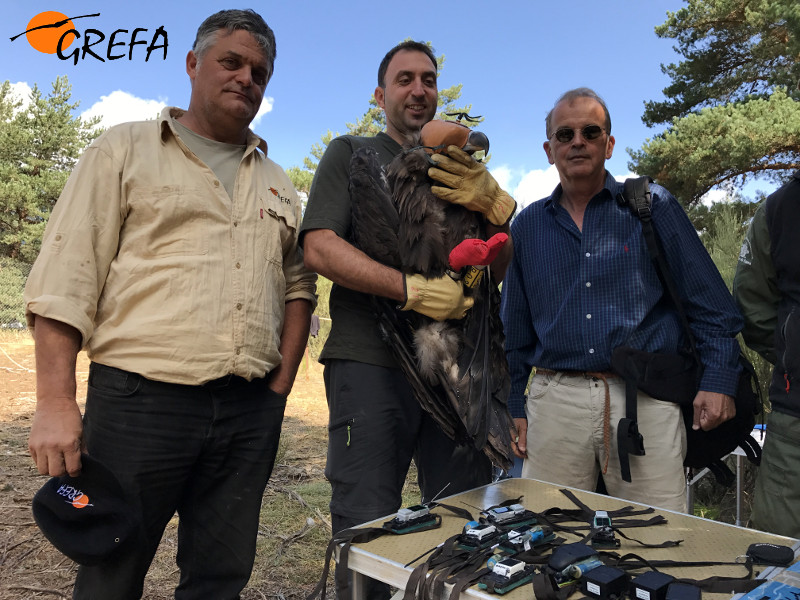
{"points": [[40, 142]]}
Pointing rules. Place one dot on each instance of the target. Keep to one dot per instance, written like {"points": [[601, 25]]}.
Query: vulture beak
{"points": [[476, 142], [437, 135]]}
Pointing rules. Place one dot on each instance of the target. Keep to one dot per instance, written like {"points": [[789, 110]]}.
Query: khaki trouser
{"points": [[777, 493], [567, 440]]}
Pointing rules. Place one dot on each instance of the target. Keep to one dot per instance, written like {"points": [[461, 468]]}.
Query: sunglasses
{"points": [[589, 133]]}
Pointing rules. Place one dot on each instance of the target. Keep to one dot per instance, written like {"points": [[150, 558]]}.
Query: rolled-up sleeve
{"points": [[79, 243]]}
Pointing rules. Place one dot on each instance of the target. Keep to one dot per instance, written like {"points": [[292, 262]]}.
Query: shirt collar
{"points": [[611, 188], [167, 127]]}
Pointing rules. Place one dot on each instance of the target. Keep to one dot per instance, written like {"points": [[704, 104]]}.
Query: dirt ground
{"points": [[31, 568], [295, 523]]}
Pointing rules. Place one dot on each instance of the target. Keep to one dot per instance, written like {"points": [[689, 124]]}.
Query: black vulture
{"points": [[457, 368]]}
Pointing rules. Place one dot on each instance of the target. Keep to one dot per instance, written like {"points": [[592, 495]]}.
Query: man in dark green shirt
{"points": [[376, 425]]}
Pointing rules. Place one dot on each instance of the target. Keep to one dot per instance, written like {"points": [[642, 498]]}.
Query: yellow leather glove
{"points": [[470, 185], [440, 298]]}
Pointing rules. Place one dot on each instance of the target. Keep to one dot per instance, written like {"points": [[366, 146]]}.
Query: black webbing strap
{"points": [[459, 573], [427, 579], [630, 441], [716, 584], [456, 510], [620, 523], [346, 537], [464, 581]]}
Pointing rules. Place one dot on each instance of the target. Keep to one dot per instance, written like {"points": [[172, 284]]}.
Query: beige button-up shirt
{"points": [[160, 270]]}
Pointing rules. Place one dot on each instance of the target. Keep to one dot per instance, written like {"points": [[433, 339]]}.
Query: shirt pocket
{"points": [[279, 228], [168, 220]]}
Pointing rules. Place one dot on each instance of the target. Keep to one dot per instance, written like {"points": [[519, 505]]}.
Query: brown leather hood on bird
{"points": [[437, 135]]}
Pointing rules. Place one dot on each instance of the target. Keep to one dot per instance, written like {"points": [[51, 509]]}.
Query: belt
{"points": [[604, 376], [585, 374]]}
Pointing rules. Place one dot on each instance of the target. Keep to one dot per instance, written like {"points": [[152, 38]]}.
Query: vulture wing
{"points": [[457, 368]]}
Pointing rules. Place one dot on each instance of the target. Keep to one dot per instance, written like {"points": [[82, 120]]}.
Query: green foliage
{"points": [[732, 50], [372, 122], [724, 145], [39, 144], [13, 274], [733, 105], [723, 240], [706, 218], [316, 343], [300, 178]]}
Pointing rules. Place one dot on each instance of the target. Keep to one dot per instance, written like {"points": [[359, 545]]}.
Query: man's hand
{"points": [[441, 298], [470, 185], [519, 439], [712, 409], [56, 438]]}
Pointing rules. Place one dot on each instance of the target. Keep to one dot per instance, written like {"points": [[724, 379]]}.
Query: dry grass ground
{"points": [[294, 528]]}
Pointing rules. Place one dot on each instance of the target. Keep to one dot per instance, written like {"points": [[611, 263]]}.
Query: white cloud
{"points": [[713, 196], [530, 186], [266, 106], [526, 186], [21, 91], [121, 107]]}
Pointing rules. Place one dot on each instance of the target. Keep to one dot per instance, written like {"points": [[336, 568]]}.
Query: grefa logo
{"points": [[74, 496], [284, 199], [52, 32]]}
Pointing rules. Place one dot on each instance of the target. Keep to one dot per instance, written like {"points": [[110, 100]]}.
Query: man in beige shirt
{"points": [[172, 258]]}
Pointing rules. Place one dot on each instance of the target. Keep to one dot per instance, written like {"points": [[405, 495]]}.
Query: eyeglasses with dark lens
{"points": [[589, 133]]}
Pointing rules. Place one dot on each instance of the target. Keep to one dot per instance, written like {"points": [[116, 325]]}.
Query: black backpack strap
{"points": [[629, 440], [636, 194]]}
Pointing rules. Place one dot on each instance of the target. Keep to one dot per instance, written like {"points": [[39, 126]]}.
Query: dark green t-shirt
{"points": [[354, 332]]}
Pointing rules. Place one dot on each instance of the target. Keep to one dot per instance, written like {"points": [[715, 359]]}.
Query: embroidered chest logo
{"points": [[276, 193]]}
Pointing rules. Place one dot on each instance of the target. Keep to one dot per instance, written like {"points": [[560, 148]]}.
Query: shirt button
{"points": [[588, 254], [239, 306], [589, 316], [591, 350], [588, 284], [238, 351], [216, 183], [236, 223], [238, 266]]}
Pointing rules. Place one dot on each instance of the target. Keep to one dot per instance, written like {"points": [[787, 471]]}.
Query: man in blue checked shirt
{"points": [[582, 283]]}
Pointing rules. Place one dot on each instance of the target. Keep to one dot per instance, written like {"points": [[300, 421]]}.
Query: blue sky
{"points": [[514, 58]]}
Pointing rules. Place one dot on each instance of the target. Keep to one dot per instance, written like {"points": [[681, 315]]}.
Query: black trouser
{"points": [[204, 451], [376, 426]]}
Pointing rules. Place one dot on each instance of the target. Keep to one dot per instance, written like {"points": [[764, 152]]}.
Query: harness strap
{"points": [[715, 584], [346, 536]]}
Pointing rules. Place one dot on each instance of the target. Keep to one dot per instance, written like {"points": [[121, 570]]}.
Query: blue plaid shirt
{"points": [[570, 296]]}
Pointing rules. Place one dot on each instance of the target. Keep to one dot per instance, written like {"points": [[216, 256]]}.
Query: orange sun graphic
{"points": [[81, 501], [46, 39]]}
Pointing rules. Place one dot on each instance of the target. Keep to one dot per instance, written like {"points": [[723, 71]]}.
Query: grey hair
{"points": [[234, 20], [581, 92]]}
